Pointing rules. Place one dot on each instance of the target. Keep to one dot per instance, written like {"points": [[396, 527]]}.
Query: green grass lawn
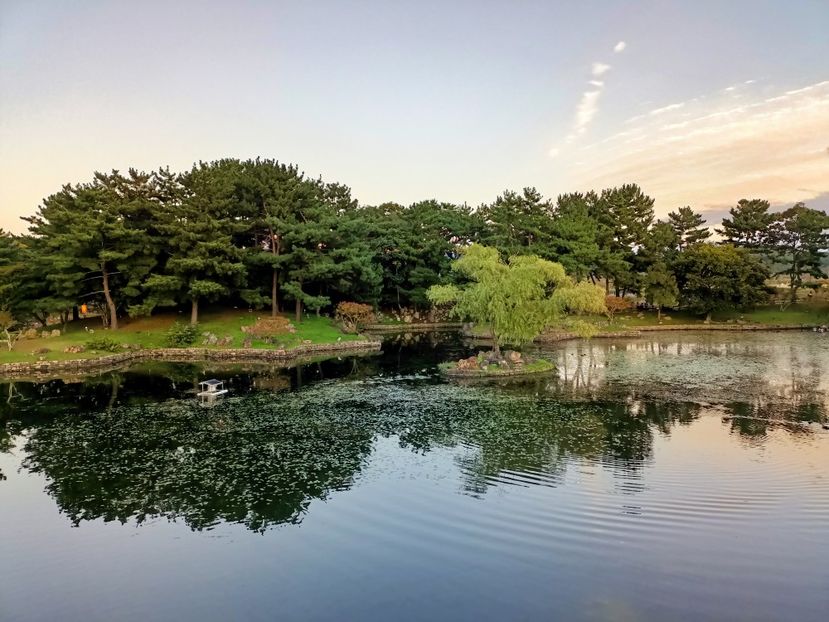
{"points": [[150, 333]]}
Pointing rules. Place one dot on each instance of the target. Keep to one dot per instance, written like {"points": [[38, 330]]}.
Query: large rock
{"points": [[513, 356], [470, 363]]}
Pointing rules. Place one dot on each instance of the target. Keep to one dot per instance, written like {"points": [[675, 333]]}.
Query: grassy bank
{"points": [[150, 333], [798, 314], [805, 313]]}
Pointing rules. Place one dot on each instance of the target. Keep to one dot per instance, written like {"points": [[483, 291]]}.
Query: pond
{"points": [[677, 476]]}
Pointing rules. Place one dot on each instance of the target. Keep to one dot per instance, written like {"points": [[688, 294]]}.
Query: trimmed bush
{"points": [[353, 315], [103, 344], [266, 327], [181, 335]]}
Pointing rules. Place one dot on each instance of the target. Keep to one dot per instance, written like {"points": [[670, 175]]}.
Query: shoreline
{"points": [[107, 362], [557, 336], [421, 327], [85, 366]]}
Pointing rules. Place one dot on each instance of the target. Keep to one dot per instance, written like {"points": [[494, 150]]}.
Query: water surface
{"points": [[679, 477]]}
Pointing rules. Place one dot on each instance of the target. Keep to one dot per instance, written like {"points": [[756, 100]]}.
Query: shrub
{"points": [[181, 335], [617, 304], [353, 315], [265, 328], [103, 344]]}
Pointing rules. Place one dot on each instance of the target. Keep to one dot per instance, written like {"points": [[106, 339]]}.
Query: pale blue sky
{"points": [[404, 101]]}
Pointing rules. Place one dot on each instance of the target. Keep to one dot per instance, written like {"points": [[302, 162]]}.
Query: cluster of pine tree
{"points": [[261, 233]]}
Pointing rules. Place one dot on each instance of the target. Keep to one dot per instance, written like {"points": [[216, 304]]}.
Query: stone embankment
{"points": [[227, 355], [414, 327]]}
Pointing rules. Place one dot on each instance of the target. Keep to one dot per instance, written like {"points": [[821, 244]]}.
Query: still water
{"points": [[674, 477]]}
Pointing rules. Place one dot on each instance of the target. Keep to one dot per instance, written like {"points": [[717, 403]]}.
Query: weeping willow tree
{"points": [[519, 298]]}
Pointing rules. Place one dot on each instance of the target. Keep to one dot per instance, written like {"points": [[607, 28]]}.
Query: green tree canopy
{"points": [[199, 225], [689, 226], [414, 246], [272, 196], [517, 299], [628, 212], [800, 240], [575, 237], [660, 287], [712, 278], [96, 232], [749, 225], [518, 222]]}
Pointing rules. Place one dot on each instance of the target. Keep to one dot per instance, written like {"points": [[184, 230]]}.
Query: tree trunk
{"points": [[113, 313], [76, 313], [658, 313], [298, 308], [708, 318], [496, 348], [194, 312], [274, 299], [275, 279]]}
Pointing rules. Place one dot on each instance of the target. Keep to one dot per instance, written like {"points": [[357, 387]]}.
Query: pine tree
{"points": [[272, 196], [688, 226], [628, 212], [749, 226], [95, 232], [800, 240], [660, 287], [575, 237], [518, 223], [199, 223], [326, 255]]}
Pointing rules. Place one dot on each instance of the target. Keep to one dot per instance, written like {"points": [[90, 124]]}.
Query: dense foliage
{"points": [[517, 299], [259, 233]]}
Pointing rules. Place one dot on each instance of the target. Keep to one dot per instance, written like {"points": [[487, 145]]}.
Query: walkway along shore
{"points": [[556, 336]]}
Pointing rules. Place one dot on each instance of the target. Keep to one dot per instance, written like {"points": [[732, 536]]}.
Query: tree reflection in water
{"points": [[260, 461], [133, 445]]}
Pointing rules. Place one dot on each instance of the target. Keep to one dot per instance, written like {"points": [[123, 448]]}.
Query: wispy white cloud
{"points": [[712, 153], [599, 69], [588, 105], [587, 109], [667, 108]]}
